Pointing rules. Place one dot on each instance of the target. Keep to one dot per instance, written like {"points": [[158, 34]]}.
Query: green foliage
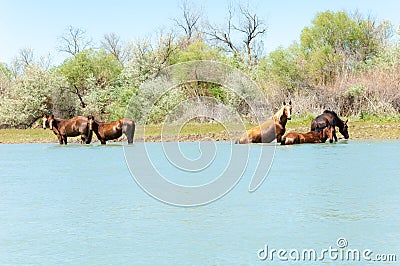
{"points": [[91, 68], [29, 96], [89, 75], [336, 43], [317, 70], [355, 91], [282, 67], [198, 50]]}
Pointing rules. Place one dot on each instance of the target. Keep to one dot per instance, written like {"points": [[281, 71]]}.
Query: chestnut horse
{"points": [[273, 128], [310, 137], [330, 118], [68, 128], [112, 130]]}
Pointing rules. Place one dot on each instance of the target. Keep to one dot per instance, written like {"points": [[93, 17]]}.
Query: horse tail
{"points": [[128, 127], [132, 132]]}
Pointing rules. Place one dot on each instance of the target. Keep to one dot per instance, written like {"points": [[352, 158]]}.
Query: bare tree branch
{"points": [[25, 57], [251, 26], [223, 35], [166, 47], [74, 41], [248, 25], [189, 22], [79, 96], [113, 45]]}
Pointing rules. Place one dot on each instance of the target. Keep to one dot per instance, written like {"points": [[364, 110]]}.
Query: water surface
{"points": [[79, 205]]}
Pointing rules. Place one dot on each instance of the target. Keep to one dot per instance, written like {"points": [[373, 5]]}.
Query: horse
{"points": [[330, 118], [112, 130], [310, 137], [273, 128], [68, 128]]}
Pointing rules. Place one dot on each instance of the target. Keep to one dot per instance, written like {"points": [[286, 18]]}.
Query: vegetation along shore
{"points": [[356, 75], [358, 130]]}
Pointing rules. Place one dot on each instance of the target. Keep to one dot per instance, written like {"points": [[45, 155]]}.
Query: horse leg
{"points": [[103, 142], [129, 136], [83, 139], [89, 137], [60, 139], [334, 136], [131, 133], [65, 139]]}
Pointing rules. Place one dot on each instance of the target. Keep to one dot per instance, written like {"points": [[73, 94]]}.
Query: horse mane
{"points": [[330, 112], [277, 116]]}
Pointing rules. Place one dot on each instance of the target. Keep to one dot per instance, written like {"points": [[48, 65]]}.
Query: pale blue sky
{"points": [[38, 24]]}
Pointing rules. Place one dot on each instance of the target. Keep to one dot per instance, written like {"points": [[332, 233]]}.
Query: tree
{"points": [[336, 43], [283, 68], [5, 78], [29, 96], [248, 26], [189, 23], [88, 71], [112, 44], [74, 41], [25, 57]]}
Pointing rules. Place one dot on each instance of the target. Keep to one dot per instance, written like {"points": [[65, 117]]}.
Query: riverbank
{"points": [[358, 130]]}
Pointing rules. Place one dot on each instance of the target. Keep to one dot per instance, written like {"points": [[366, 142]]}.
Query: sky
{"points": [[38, 24]]}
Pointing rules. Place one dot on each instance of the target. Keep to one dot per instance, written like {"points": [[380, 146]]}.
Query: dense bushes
{"points": [[343, 62]]}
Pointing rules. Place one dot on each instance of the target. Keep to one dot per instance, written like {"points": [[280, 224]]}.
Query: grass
{"points": [[358, 129]]}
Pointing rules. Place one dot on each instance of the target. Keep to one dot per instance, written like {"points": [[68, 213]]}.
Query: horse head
{"points": [[50, 120], [344, 130], [90, 122], [287, 110], [45, 121], [330, 132]]}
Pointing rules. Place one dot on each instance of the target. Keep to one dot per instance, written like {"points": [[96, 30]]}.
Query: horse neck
{"points": [[280, 117], [96, 124], [339, 123], [57, 121], [55, 125]]}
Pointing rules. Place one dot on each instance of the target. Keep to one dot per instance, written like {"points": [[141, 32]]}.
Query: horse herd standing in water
{"points": [[322, 128], [85, 126]]}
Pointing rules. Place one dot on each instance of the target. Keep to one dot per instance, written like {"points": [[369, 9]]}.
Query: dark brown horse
{"points": [[310, 137], [112, 130], [273, 128], [330, 118], [68, 128]]}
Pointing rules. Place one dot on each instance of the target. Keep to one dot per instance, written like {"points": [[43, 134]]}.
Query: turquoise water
{"points": [[79, 205]]}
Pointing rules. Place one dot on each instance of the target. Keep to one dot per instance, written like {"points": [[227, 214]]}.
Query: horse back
{"points": [[321, 121], [311, 137], [75, 126]]}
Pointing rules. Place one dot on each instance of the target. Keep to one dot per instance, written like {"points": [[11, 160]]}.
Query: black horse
{"points": [[330, 118]]}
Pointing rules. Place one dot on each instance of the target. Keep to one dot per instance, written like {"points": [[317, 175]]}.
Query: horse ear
{"points": [[346, 121]]}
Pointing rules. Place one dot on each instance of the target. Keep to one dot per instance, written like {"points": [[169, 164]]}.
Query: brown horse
{"points": [[112, 130], [310, 137], [330, 118], [68, 128], [273, 128]]}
